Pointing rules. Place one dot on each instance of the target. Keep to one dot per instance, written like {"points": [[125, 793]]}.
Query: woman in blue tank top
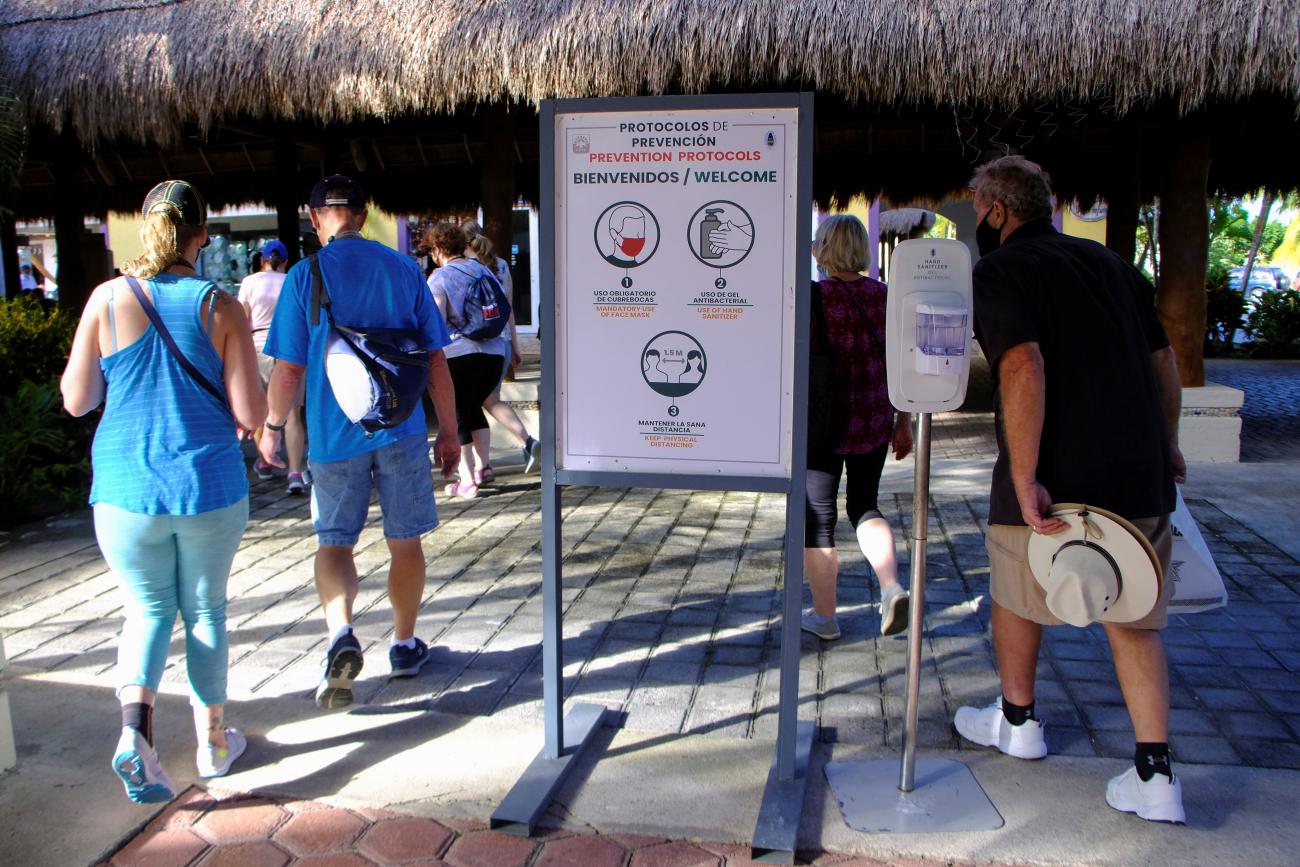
{"points": [[170, 493]]}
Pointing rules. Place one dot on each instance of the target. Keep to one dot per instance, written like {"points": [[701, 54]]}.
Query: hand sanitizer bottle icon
{"points": [[707, 226]]}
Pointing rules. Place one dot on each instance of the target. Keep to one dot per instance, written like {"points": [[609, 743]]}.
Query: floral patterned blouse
{"points": [[858, 343]]}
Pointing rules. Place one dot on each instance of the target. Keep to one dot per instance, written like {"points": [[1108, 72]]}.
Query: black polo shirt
{"points": [[1093, 316]]}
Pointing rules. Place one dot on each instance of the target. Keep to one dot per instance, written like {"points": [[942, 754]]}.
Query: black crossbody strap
{"points": [[320, 296], [152, 313], [876, 340]]}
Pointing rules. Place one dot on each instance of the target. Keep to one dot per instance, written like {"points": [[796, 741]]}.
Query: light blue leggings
{"points": [[166, 563]]}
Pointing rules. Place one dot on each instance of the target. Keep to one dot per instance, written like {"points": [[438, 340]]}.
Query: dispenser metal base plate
{"points": [[946, 797]]}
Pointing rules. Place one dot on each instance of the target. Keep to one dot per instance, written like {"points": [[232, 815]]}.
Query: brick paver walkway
{"points": [[217, 829], [672, 616], [1270, 415], [672, 603], [963, 435]]}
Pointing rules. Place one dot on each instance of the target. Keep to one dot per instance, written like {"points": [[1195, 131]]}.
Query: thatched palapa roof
{"points": [[400, 92], [903, 223], [146, 70]]}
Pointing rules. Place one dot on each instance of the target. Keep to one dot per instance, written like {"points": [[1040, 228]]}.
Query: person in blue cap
{"points": [[259, 293], [372, 284]]}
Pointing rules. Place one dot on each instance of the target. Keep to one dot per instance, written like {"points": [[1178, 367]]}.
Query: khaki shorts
{"points": [[1012, 585]]}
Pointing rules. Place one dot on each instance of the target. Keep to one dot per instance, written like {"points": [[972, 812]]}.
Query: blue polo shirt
{"points": [[371, 286]]}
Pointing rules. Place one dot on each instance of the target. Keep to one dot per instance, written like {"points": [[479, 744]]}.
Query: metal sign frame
{"points": [[567, 735]]}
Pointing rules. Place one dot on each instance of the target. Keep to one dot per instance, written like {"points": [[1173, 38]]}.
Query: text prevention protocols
{"points": [[675, 272]]}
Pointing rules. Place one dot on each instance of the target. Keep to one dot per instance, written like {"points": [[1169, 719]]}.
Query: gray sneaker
{"points": [[827, 629], [893, 609], [532, 456]]}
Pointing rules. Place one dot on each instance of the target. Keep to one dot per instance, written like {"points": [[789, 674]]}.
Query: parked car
{"points": [[1263, 278]]}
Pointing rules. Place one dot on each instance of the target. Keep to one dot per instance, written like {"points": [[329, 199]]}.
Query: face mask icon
{"points": [[627, 234]]}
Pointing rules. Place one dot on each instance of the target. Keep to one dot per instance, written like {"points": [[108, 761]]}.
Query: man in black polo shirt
{"points": [[1088, 399]]}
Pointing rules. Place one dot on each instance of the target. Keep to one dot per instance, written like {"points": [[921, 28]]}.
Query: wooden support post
{"points": [[1184, 245], [69, 221], [497, 177], [1124, 194], [286, 194]]}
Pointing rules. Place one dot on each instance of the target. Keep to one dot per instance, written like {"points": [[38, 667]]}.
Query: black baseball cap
{"points": [[178, 198], [338, 191]]}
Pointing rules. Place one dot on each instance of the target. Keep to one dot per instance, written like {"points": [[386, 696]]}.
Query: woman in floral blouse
{"points": [[854, 317]]}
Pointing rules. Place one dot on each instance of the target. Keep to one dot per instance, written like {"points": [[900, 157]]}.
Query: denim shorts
{"points": [[402, 474]]}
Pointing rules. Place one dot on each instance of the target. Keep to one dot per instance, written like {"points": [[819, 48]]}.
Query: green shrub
{"points": [[44, 454], [1224, 311], [1275, 323], [33, 345]]}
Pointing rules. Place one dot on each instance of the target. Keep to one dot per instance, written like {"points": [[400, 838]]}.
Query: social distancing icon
{"points": [[673, 364]]}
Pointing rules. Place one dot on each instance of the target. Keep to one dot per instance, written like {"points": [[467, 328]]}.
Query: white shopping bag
{"points": [[1198, 586]]}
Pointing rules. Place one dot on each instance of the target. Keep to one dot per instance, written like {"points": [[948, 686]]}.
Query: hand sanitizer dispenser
{"points": [[940, 338], [928, 325]]}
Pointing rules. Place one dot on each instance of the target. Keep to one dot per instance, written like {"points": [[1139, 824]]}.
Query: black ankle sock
{"points": [[1152, 759], [139, 716], [1016, 714]]}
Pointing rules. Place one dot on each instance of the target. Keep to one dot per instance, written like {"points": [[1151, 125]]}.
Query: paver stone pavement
{"points": [[672, 617]]}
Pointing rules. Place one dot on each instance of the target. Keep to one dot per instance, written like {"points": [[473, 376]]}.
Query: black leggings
{"points": [[474, 376], [823, 485]]}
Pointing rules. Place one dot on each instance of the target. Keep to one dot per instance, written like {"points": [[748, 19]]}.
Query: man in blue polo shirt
{"points": [[370, 286]]}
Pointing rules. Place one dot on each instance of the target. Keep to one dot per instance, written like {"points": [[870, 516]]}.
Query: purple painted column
{"points": [[1056, 219], [873, 234], [817, 217], [403, 234]]}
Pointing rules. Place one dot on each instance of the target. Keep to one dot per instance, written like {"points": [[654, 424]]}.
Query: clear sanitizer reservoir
{"points": [[940, 338]]}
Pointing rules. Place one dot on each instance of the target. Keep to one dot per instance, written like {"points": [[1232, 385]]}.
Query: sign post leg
{"points": [[567, 736], [552, 620], [787, 780]]}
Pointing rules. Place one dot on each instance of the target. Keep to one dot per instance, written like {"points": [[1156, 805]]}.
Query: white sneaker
{"points": [[987, 726], [827, 629], [136, 763], [1159, 799], [214, 761]]}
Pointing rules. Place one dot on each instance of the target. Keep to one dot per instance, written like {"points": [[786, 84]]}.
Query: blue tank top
{"points": [[165, 446]]}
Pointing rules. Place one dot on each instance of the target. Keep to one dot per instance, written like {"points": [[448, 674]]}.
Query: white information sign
{"points": [[675, 273]]}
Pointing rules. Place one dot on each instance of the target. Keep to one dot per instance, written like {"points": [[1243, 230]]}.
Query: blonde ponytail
{"points": [[481, 247], [163, 241], [479, 244]]}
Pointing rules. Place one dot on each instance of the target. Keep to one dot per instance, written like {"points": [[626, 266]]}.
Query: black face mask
{"points": [[987, 238]]}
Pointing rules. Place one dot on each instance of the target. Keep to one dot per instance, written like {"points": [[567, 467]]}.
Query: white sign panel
{"points": [[674, 290]]}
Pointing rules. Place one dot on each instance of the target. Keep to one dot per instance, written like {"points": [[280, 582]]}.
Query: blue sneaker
{"points": [[407, 661], [342, 665], [136, 762]]}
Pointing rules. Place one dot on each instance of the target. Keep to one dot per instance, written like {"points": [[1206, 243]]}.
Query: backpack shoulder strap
{"points": [[320, 296], [152, 313], [877, 341]]}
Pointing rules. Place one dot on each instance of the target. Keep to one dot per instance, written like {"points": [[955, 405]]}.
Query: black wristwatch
{"points": [[275, 427]]}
